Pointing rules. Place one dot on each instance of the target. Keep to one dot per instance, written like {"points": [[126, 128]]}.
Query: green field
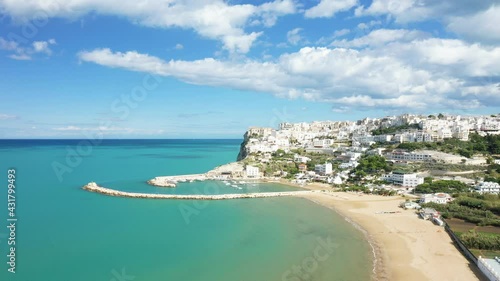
{"points": [[459, 227]]}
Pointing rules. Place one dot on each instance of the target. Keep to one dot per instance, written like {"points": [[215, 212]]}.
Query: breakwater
{"points": [[171, 181], [93, 187]]}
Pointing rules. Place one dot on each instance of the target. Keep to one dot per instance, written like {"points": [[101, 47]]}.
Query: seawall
{"points": [[93, 187]]}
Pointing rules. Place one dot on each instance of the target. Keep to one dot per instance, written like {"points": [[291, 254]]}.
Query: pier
{"points": [[93, 187], [171, 181]]}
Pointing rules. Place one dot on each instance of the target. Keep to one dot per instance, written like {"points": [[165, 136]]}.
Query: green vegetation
{"points": [[479, 209], [447, 186], [481, 240], [373, 164], [476, 144], [493, 173], [394, 129], [366, 190]]}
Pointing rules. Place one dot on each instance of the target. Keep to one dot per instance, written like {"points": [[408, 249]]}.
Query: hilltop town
{"points": [[407, 148]]}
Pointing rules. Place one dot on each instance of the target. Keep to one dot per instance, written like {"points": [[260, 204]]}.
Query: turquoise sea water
{"points": [[66, 233]]}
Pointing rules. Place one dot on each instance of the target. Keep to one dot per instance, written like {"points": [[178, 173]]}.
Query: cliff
{"points": [[243, 149]]}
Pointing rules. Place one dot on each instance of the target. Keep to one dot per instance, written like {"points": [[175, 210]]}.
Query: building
{"points": [[429, 214], [488, 187], [301, 159], [323, 169], [302, 167], [439, 198], [410, 205], [408, 156], [252, 172], [404, 179]]}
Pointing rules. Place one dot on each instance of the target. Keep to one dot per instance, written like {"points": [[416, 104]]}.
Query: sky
{"points": [[213, 68]]}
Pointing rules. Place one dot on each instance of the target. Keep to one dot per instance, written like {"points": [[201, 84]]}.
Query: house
{"points": [[488, 187], [439, 198], [429, 213], [410, 205], [403, 178], [301, 159], [323, 169], [302, 167], [252, 172]]}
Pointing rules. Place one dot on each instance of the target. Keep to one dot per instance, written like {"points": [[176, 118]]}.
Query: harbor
{"points": [[93, 187]]}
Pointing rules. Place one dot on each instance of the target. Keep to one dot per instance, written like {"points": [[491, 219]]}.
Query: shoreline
{"points": [[378, 268], [404, 247]]}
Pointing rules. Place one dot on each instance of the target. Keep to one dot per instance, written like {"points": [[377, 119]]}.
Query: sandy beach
{"points": [[406, 247]]}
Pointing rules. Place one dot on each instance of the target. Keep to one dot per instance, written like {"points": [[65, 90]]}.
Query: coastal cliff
{"points": [[243, 148]]}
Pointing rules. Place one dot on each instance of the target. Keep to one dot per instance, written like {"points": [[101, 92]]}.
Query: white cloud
{"points": [[25, 53], [381, 37], [399, 72], [328, 8], [20, 57], [8, 45], [293, 36], [214, 19], [475, 20], [340, 33], [179, 46], [43, 46], [7, 117], [483, 26], [370, 24]]}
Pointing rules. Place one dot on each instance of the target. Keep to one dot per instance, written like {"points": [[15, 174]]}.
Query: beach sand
{"points": [[406, 247]]}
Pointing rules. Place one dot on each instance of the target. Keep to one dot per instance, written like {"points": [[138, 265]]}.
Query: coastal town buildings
{"points": [[327, 136], [488, 187], [401, 155], [403, 179], [439, 198], [324, 169], [252, 172]]}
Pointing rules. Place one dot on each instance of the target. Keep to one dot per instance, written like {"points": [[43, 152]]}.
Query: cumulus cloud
{"points": [[380, 37], [475, 20], [43, 46], [340, 33], [214, 19], [26, 52], [404, 70], [483, 26], [293, 36], [328, 8]]}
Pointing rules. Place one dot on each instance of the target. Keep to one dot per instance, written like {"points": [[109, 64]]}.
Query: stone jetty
{"points": [[171, 181], [93, 187]]}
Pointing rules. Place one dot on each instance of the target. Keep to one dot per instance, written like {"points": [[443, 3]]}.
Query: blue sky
{"points": [[211, 68]]}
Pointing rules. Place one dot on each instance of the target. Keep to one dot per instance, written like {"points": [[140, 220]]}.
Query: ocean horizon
{"points": [[66, 233]]}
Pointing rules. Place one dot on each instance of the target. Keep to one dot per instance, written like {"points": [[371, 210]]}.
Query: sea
{"points": [[64, 233]]}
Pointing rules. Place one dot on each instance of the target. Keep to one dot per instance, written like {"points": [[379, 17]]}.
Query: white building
{"points": [[403, 179], [408, 156], [439, 198], [301, 159], [323, 169], [252, 172], [488, 187]]}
